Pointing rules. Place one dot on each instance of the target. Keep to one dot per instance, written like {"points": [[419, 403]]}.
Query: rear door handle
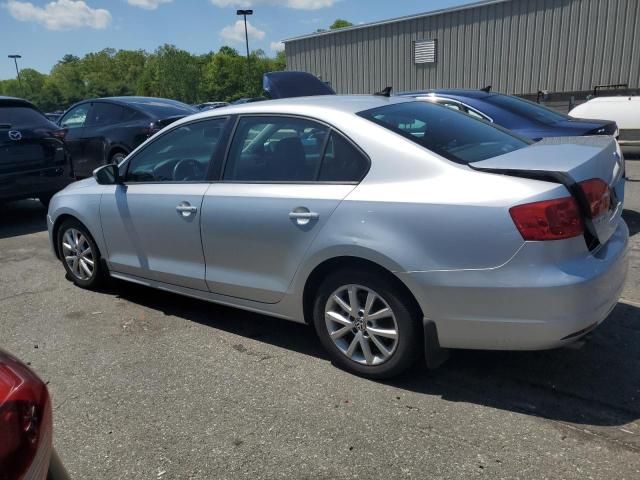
{"points": [[186, 209], [303, 215]]}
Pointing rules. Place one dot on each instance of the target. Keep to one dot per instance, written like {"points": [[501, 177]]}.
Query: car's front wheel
{"points": [[80, 255], [367, 324]]}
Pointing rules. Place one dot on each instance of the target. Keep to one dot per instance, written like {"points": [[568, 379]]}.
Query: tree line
{"points": [[168, 72]]}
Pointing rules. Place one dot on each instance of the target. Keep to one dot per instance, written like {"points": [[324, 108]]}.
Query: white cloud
{"points": [[60, 14], [148, 4], [277, 46], [235, 33], [297, 4]]}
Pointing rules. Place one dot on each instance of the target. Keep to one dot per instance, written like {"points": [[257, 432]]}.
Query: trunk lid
{"points": [[571, 160]]}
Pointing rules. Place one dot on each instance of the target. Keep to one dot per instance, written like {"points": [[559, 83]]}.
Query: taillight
{"points": [[25, 422], [548, 220], [598, 196], [59, 134]]}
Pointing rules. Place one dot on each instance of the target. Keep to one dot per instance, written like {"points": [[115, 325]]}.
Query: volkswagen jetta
{"points": [[392, 226]]}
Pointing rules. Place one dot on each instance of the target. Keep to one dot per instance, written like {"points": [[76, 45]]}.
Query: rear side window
{"points": [[455, 136], [21, 116], [342, 161], [276, 149], [104, 114]]}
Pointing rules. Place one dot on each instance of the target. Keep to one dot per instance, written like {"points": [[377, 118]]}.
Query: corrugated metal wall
{"points": [[517, 46]]}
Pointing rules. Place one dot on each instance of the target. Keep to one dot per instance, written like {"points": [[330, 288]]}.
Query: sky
{"points": [[43, 31]]}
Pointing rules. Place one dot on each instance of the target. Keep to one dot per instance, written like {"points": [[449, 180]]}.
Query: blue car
{"points": [[523, 117]]}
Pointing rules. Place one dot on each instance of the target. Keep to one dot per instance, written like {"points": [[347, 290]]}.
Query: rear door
{"points": [[73, 122], [151, 223], [283, 178]]}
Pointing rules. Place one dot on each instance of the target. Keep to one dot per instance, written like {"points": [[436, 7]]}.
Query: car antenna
{"points": [[486, 89], [384, 93]]}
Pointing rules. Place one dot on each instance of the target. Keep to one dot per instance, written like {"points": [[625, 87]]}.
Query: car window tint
{"points": [[75, 117], [276, 149], [526, 109], [342, 161], [104, 114], [21, 117], [181, 155], [457, 137]]}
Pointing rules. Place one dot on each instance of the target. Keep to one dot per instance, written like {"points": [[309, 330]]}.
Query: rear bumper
{"points": [[532, 302], [34, 183]]}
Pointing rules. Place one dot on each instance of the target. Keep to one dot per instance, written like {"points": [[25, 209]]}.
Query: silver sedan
{"points": [[398, 229]]}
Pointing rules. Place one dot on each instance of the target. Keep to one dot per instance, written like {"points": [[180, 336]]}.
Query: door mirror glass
{"points": [[107, 174]]}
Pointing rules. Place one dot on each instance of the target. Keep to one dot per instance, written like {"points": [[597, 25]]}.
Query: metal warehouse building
{"points": [[516, 46]]}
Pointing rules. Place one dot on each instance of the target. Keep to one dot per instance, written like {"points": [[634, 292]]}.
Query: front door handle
{"points": [[186, 209]]}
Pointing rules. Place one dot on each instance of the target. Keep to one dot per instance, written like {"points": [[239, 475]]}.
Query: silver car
{"points": [[396, 228]]}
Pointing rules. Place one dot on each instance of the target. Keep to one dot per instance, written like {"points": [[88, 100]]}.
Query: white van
{"points": [[625, 111]]}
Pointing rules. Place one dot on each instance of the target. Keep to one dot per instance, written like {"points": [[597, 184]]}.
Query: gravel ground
{"points": [[150, 385]]}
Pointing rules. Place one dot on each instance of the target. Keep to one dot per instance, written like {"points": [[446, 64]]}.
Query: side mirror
{"points": [[107, 174]]}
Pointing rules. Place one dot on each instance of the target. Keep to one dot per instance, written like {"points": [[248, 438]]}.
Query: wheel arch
{"points": [[56, 229], [346, 262]]}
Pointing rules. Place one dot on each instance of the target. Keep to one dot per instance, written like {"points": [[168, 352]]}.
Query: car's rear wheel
{"points": [[367, 324], [80, 255]]}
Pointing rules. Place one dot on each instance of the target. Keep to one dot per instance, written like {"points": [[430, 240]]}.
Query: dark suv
{"points": [[33, 159], [106, 130]]}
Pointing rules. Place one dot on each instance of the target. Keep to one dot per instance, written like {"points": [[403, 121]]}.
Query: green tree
{"points": [[340, 23]]}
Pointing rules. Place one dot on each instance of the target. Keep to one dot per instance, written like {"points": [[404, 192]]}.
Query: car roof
{"points": [[16, 102], [453, 92], [338, 103]]}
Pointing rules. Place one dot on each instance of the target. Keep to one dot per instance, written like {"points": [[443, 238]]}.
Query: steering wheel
{"points": [[188, 169]]}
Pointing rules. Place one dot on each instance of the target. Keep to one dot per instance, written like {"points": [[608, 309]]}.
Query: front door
{"points": [[283, 178], [73, 122], [151, 222]]}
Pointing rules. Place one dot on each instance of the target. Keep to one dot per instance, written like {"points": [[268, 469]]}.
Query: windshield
{"points": [[453, 135], [526, 109]]}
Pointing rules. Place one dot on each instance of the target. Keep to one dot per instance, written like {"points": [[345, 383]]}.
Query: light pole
{"points": [[15, 60], [244, 13]]}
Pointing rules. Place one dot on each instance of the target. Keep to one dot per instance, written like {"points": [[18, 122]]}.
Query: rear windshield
{"points": [[21, 117], [526, 109], [453, 135], [162, 109]]}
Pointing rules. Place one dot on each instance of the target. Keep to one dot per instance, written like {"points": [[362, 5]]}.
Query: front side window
{"points": [[459, 138], [76, 117], [181, 155], [276, 149]]}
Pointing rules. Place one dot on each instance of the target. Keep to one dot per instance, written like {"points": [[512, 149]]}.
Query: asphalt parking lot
{"points": [[150, 385]]}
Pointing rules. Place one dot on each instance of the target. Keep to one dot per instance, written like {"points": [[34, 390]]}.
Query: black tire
{"points": [[407, 320], [99, 273]]}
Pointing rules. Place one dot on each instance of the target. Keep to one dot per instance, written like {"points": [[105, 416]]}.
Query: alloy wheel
{"points": [[78, 254], [361, 324]]}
